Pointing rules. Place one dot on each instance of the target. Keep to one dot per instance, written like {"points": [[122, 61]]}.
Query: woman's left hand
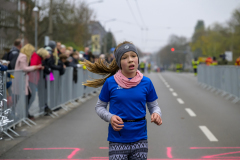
{"points": [[156, 119]]}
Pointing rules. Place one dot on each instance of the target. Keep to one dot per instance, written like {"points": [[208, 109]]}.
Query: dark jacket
{"points": [[62, 70], [74, 62], [47, 68], [12, 57]]}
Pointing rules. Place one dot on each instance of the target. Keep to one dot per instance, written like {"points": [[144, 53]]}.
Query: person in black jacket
{"points": [[75, 65], [13, 54], [53, 61], [75, 58]]}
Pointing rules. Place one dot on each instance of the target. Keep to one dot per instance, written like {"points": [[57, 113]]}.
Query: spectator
{"points": [[36, 60], [71, 50], [63, 49], [102, 56], [69, 58], [75, 58], [68, 53], [61, 63], [237, 63], [22, 64], [91, 57], [59, 48], [85, 55], [110, 58], [75, 64], [34, 77], [13, 54], [53, 61]]}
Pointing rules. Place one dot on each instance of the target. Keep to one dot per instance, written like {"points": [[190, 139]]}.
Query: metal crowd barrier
{"points": [[44, 92], [222, 79]]}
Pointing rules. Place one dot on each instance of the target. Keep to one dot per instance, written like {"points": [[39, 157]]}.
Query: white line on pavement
{"points": [[190, 112], [208, 134], [180, 101], [174, 94], [167, 86], [170, 89]]}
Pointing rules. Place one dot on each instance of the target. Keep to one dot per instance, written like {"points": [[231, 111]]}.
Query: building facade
{"points": [[98, 34]]}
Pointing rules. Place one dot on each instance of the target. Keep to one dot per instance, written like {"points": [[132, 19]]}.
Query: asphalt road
{"points": [[197, 124]]}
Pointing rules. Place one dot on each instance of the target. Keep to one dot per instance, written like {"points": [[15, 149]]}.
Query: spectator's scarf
{"points": [[124, 82]]}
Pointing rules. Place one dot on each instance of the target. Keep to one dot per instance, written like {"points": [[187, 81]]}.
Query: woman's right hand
{"points": [[117, 123]]}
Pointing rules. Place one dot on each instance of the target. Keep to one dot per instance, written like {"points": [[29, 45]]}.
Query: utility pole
{"points": [[50, 29]]}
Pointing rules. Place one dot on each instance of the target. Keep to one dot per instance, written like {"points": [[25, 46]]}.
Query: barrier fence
{"points": [[222, 79], [55, 92]]}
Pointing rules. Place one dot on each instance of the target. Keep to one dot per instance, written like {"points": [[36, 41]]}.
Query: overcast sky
{"points": [[149, 23]]}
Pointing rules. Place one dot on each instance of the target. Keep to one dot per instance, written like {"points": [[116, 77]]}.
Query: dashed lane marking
{"points": [[208, 134], [190, 112], [170, 89], [174, 94], [180, 101]]}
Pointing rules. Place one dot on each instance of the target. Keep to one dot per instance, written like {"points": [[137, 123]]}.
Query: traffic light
{"points": [[172, 49]]}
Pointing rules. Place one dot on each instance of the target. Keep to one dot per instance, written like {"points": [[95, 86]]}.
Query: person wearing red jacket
{"points": [[34, 76]]}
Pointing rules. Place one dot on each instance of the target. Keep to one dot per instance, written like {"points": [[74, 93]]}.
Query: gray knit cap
{"points": [[52, 44], [123, 49]]}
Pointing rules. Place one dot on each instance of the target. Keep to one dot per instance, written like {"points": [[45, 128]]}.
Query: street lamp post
{"points": [[35, 10]]}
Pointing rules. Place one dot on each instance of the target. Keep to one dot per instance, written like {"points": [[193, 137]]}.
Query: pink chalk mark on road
{"points": [[214, 148], [169, 152], [103, 148], [221, 154], [108, 159], [75, 150]]}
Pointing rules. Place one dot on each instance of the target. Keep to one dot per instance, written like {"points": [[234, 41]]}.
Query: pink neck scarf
{"points": [[124, 82]]}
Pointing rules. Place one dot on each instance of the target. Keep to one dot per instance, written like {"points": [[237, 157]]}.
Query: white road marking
{"points": [[208, 134], [167, 86], [162, 78], [190, 112], [170, 89], [174, 94], [180, 101]]}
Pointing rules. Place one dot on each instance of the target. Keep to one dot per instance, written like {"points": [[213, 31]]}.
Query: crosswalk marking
{"points": [[190, 112], [208, 134]]}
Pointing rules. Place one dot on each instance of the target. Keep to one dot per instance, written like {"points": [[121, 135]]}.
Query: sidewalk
{"points": [[42, 121]]}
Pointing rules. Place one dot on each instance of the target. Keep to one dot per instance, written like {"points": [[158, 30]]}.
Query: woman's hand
{"points": [[156, 119], [117, 123], [38, 67]]}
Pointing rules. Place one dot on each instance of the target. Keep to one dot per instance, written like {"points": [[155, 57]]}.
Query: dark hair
{"points": [[63, 56], [75, 53], [17, 42]]}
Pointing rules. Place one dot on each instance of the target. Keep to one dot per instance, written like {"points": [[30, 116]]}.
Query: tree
{"points": [[198, 33], [70, 22]]}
